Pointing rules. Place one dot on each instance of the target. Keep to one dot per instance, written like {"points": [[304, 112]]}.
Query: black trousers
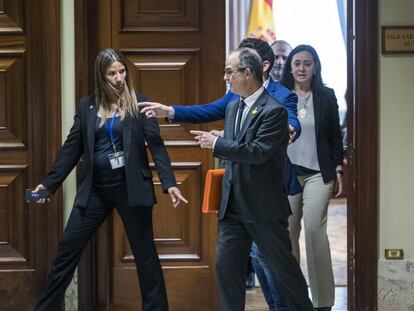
{"points": [[83, 223], [235, 238]]}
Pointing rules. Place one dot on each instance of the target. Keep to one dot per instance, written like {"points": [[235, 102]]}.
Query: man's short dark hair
{"points": [[262, 48], [249, 58]]}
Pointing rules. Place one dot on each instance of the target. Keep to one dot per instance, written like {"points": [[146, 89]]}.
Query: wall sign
{"points": [[397, 39]]}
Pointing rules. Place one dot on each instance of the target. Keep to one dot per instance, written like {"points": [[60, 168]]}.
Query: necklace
{"points": [[304, 106]]}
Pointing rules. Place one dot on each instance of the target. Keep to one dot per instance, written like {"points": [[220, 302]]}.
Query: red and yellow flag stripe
{"points": [[261, 23]]}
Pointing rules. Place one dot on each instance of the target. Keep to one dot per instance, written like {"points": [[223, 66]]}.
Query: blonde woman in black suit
{"points": [[110, 134], [317, 157]]}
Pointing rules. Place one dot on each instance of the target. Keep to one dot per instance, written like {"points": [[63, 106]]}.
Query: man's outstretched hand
{"points": [[176, 196], [156, 110]]}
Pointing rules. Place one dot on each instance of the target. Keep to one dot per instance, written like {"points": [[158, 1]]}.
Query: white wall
{"points": [[396, 137], [68, 111], [68, 91]]}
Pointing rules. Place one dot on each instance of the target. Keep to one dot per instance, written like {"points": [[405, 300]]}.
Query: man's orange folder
{"points": [[212, 190]]}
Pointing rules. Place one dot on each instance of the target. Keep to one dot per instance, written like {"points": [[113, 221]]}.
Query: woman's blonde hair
{"points": [[106, 93]]}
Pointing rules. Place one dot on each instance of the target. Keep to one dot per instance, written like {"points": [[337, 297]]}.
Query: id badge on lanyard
{"points": [[117, 157]]}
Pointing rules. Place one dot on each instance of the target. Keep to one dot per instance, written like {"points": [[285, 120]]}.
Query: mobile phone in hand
{"points": [[34, 196]]}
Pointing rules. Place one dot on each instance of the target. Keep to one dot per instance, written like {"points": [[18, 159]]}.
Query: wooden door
{"points": [[29, 139], [177, 50]]}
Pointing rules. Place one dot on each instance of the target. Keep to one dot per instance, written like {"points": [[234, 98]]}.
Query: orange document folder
{"points": [[212, 190]]}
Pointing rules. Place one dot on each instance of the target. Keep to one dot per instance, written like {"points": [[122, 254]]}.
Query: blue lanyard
{"points": [[110, 129]]}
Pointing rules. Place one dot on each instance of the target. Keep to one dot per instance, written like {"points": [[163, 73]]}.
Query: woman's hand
{"points": [[338, 185], [41, 187], [292, 133], [176, 196]]}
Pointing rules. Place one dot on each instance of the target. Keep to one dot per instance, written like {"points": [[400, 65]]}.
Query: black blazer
{"points": [[328, 133], [135, 131], [254, 161]]}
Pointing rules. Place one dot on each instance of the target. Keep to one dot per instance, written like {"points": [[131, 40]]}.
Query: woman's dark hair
{"points": [[287, 77]]}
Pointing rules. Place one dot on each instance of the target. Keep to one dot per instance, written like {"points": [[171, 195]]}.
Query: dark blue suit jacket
{"points": [[216, 110]]}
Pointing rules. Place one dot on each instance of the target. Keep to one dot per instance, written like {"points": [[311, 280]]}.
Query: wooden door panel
{"points": [[14, 237], [162, 15], [180, 299], [29, 95], [176, 230], [11, 16], [17, 271], [168, 76], [18, 277], [12, 107], [18, 289]]}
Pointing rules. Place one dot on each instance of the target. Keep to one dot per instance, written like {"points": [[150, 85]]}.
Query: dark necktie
{"points": [[242, 105]]}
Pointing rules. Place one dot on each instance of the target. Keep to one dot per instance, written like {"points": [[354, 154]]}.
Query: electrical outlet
{"points": [[394, 254]]}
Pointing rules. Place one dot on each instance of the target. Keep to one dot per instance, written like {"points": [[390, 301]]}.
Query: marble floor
{"points": [[255, 300], [337, 238]]}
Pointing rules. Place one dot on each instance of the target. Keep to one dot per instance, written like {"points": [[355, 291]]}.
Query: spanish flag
{"points": [[261, 23]]}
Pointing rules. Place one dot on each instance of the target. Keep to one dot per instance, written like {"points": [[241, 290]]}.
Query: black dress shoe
{"points": [[250, 280], [323, 309]]}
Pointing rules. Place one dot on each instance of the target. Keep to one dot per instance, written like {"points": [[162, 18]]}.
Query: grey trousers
{"points": [[312, 205]]}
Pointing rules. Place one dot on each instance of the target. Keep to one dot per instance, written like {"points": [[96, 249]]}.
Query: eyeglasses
{"points": [[229, 72]]}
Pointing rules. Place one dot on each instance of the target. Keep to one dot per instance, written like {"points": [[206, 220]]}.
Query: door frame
{"points": [[362, 153], [86, 43]]}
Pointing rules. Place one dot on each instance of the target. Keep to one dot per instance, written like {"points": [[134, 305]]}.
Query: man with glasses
{"points": [[216, 111], [254, 205]]}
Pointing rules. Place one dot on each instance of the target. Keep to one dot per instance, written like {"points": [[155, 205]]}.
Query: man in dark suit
{"points": [[254, 205], [216, 111]]}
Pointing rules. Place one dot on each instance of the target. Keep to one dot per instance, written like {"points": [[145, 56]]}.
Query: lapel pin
{"points": [[91, 106], [254, 111]]}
